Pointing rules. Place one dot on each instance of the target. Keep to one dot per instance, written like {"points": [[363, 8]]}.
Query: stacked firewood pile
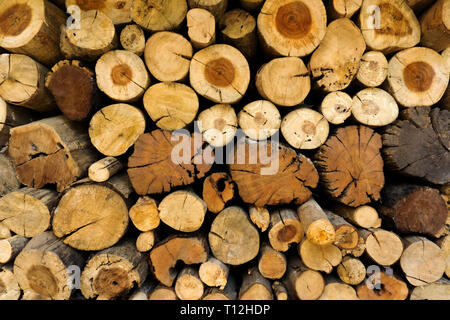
{"points": [[214, 149]]}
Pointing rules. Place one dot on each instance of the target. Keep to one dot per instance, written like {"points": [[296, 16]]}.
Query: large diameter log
{"points": [[435, 25], [383, 247], [10, 289], [318, 228], [216, 7], [343, 8], [285, 229], [238, 28], [117, 10], [188, 285], [301, 282], [11, 247], [218, 124], [201, 27], [52, 150], [373, 69], [132, 38], [255, 286], [218, 189], [259, 120], [31, 27], [383, 287], [319, 258], [8, 177], [11, 117], [157, 15]]}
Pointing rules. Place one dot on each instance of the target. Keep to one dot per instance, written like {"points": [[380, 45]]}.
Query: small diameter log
{"points": [[342, 8], [163, 293], [363, 216], [238, 28], [5, 233], [42, 267], [23, 83], [122, 76], [32, 28], [305, 129], [8, 177], [422, 261], [358, 251], [301, 282], [435, 26], [165, 255], [145, 241], [157, 15], [351, 166], [279, 291], [260, 216], [336, 290], [383, 247], [230, 291], [285, 229], [143, 292], [168, 56], [104, 169], [320, 258], [336, 107], [216, 7], [251, 5], [336, 62], [74, 89], [351, 271], [113, 272], [27, 211], [218, 189], [259, 120], [318, 228], [373, 69], [439, 290], [444, 244], [201, 27], [291, 28], [115, 128], [171, 105], [255, 286], [78, 43], [388, 25], [11, 117], [9, 287], [417, 77], [233, 239], [347, 237], [188, 285], [11, 247], [381, 286], [214, 273], [218, 124], [272, 264], [145, 214], [220, 73], [374, 107], [132, 38], [284, 81], [117, 10], [183, 210]]}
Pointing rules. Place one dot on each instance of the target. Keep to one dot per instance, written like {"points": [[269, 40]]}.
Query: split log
{"points": [[201, 27], [336, 107], [301, 282], [78, 43], [218, 124], [163, 293], [41, 268], [104, 169], [188, 285], [373, 69], [52, 150], [383, 247], [214, 273], [168, 56], [157, 15], [284, 81], [233, 239], [11, 117], [228, 293], [145, 214], [8, 177], [10, 289], [32, 28], [336, 62], [435, 26], [218, 189], [351, 166], [279, 291], [318, 228], [259, 120], [418, 145], [444, 244], [117, 10], [11, 247], [285, 229], [388, 25], [74, 89], [439, 290], [132, 38], [383, 287], [251, 5], [145, 241], [272, 264], [165, 254], [182, 210], [305, 129], [255, 286], [238, 28], [216, 7], [121, 75], [336, 290], [347, 237], [351, 271], [260, 216], [113, 272], [23, 83], [291, 28], [115, 128], [27, 211], [374, 107], [320, 258], [342, 8], [5, 233], [364, 216], [171, 105]]}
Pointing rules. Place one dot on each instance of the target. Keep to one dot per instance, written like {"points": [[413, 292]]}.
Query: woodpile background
{"points": [[91, 93]]}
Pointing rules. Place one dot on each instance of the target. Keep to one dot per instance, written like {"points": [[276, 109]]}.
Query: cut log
{"points": [[342, 8], [284, 81], [374, 107], [414, 209], [74, 89], [157, 15], [32, 28], [422, 261], [439, 290], [151, 167], [143, 292], [383, 247], [78, 43], [201, 27], [305, 129], [218, 124], [145, 241], [336, 107], [419, 5], [23, 83], [117, 10], [220, 73], [238, 28], [214, 273], [285, 229], [445, 101], [435, 26], [318, 228], [233, 239], [115, 128], [228, 293], [5, 233], [260, 216], [93, 216], [168, 56], [444, 244], [122, 76], [9, 288], [42, 267], [320, 258], [347, 237], [11, 117], [336, 290], [255, 286], [8, 177], [218, 189], [336, 62], [373, 69], [417, 77], [165, 254], [182, 210], [291, 28], [188, 285], [358, 251], [216, 7], [163, 293], [132, 38], [272, 264], [27, 211], [351, 271], [279, 291], [52, 150], [145, 214], [383, 287], [351, 166], [388, 25], [259, 120], [113, 272], [104, 169], [363, 216], [11, 247], [171, 105], [251, 5]]}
